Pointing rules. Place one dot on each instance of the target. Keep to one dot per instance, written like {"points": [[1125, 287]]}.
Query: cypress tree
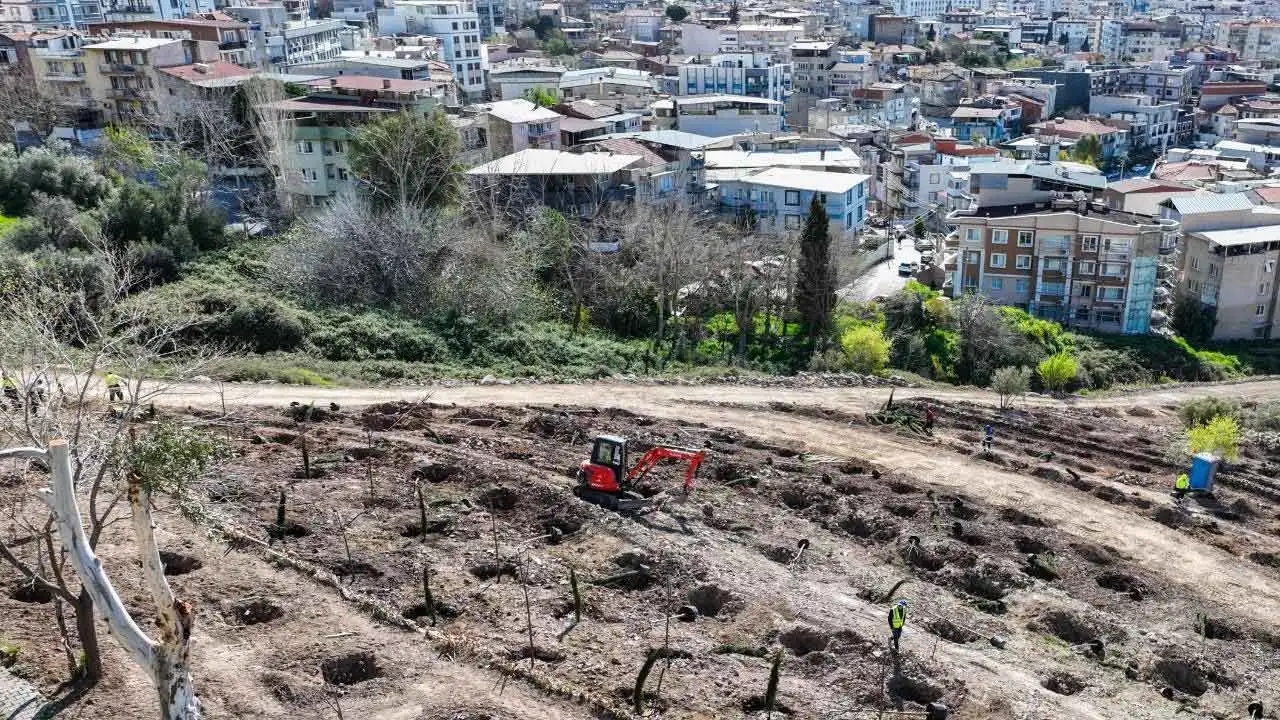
{"points": [[816, 278]]}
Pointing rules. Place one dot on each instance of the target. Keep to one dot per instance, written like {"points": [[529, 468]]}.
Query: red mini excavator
{"points": [[605, 480]]}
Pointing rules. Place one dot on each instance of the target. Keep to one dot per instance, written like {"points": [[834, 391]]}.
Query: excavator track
{"points": [[627, 502]]}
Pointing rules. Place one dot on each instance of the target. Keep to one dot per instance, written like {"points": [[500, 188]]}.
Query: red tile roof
{"points": [[1268, 195], [1184, 171], [368, 82], [1075, 128], [211, 71], [625, 146]]}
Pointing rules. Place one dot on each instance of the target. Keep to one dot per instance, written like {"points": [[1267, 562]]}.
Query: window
{"points": [[1110, 293], [330, 172], [337, 146], [1022, 262], [1082, 314], [1089, 243], [342, 174], [1260, 310], [972, 257], [1087, 268], [999, 237], [1117, 245], [793, 221], [1108, 316], [934, 178], [305, 147], [997, 260], [1195, 263], [1086, 291], [1054, 264], [793, 197], [1026, 238], [1213, 270], [1020, 285], [1262, 289], [997, 283], [1113, 269], [972, 234]]}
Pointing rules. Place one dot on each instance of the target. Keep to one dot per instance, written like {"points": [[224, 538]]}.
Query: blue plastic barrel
{"points": [[1203, 467]]}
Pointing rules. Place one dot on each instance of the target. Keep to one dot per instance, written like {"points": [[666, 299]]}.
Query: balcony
{"points": [[233, 45], [64, 77], [124, 93], [117, 69]]}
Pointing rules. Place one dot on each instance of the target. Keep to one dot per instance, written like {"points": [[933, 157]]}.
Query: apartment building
{"points": [[779, 198], [1152, 124], [1035, 239], [1079, 33], [313, 168], [1251, 39], [643, 24], [990, 118], [921, 8], [1234, 272], [60, 64], [775, 39], [33, 15], [1162, 81], [749, 74], [1128, 40], [127, 10], [1115, 141], [123, 75], [515, 125], [300, 42], [811, 62], [457, 25], [230, 35], [718, 115]]}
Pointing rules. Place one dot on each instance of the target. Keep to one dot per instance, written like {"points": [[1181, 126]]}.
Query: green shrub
{"points": [[1202, 410], [1220, 436], [1009, 382], [1057, 371], [866, 348], [1265, 416]]}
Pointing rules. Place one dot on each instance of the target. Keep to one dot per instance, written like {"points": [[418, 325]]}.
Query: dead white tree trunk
{"points": [[165, 661]]}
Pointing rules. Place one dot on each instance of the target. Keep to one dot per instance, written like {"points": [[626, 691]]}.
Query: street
{"points": [[882, 278]]}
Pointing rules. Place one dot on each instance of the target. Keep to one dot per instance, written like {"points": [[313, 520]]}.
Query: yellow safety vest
{"points": [[1182, 483], [9, 383], [113, 380], [897, 617]]}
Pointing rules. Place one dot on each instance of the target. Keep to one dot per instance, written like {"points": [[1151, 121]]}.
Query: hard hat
{"points": [[902, 603]]}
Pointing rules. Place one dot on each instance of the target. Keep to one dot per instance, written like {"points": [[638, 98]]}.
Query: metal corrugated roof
{"points": [[1198, 204]]}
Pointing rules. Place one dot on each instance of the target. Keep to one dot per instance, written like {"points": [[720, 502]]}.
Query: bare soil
{"points": [[1149, 608]]}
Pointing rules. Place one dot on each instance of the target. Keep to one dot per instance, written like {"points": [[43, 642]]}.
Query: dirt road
{"points": [[639, 397]]}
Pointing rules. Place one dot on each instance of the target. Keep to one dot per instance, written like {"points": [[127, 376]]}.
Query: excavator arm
{"points": [[658, 454]]}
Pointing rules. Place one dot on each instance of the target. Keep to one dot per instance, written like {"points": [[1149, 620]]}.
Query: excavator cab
{"points": [[606, 480], [609, 452]]}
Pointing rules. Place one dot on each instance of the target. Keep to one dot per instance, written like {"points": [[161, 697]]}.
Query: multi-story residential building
{"points": [[889, 103], [1228, 255], [779, 198], [1034, 239], [493, 17], [15, 53], [993, 118], [415, 95], [1129, 40], [851, 72], [1251, 39], [32, 15], [1078, 33], [1215, 94], [513, 79], [750, 74], [919, 178], [811, 62], [300, 42], [457, 25], [312, 169], [123, 74], [1152, 124], [1114, 140], [230, 35], [1160, 80], [515, 125], [643, 24], [893, 29], [957, 21], [129, 10], [718, 115], [920, 8], [62, 66], [775, 39]]}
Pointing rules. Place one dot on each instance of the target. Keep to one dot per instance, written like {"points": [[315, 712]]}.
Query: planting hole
{"points": [[1017, 517], [434, 527], [917, 690], [292, 530], [796, 498], [1029, 545], [488, 571], [1063, 683], [1183, 676], [435, 472], [31, 592], [348, 568], [255, 611], [803, 639], [1066, 626], [444, 611], [1216, 629], [710, 600], [350, 669], [179, 564], [499, 498], [1120, 582], [948, 630], [549, 655]]}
